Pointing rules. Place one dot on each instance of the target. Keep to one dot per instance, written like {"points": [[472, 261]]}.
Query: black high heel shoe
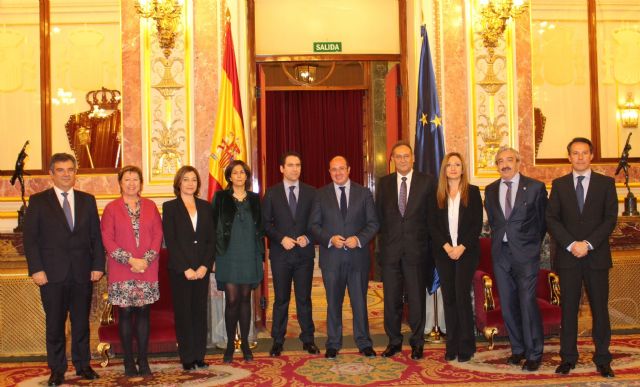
{"points": [[228, 354], [246, 351]]}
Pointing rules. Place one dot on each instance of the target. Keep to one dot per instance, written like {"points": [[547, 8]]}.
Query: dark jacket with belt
{"points": [[224, 211]]}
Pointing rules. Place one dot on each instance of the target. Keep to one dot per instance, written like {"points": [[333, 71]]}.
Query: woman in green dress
{"points": [[239, 252]]}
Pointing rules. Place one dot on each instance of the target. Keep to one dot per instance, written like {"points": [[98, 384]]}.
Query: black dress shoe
{"points": [[368, 352], [464, 358], [311, 348], [143, 367], [189, 366], [515, 359], [605, 370], [130, 368], [531, 365], [450, 356], [87, 373], [417, 352], [201, 364], [276, 350], [228, 353], [331, 353], [247, 355], [56, 379], [565, 368], [392, 350]]}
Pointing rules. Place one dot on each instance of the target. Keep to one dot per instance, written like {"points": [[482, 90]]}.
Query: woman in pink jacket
{"points": [[132, 235]]}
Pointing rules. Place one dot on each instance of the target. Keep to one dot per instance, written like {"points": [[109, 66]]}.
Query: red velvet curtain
{"points": [[319, 125]]}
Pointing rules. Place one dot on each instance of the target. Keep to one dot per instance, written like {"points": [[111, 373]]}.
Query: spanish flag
{"points": [[228, 137]]}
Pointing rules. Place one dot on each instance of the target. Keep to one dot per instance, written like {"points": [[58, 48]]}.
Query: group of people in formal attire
{"points": [[421, 222]]}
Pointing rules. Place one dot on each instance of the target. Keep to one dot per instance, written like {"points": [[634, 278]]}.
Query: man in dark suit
{"points": [[285, 212], [582, 213], [343, 221], [64, 252], [402, 201], [515, 207]]}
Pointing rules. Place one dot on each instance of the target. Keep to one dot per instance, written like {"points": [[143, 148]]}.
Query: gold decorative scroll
{"points": [[167, 115], [493, 107]]}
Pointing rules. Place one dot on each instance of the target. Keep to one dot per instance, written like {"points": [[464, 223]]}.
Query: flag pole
{"points": [[429, 149]]}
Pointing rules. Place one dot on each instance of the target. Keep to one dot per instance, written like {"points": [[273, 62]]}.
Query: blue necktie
{"points": [[66, 207], [292, 201], [343, 202], [580, 193]]}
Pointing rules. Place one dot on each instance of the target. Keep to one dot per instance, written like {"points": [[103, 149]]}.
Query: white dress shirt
{"points": [[70, 198], [515, 181], [399, 181], [296, 190], [585, 186], [453, 212], [585, 181], [347, 188]]}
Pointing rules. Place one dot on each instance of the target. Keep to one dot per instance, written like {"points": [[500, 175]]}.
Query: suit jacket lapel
{"points": [[592, 179], [572, 189], [186, 217], [411, 193], [284, 197], [57, 208], [461, 212], [496, 199], [522, 187]]}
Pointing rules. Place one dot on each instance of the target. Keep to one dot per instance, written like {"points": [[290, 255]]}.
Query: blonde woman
{"points": [[455, 228]]}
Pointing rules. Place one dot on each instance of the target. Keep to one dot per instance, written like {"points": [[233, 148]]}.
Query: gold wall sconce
{"points": [[629, 112], [494, 17], [167, 14]]}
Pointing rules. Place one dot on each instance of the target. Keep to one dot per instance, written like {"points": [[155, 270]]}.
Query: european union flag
{"points": [[429, 144]]}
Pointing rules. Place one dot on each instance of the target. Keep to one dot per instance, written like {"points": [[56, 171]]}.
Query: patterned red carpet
{"points": [[295, 368]]}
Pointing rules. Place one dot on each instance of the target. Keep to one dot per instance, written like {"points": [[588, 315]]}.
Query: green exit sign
{"points": [[327, 46]]}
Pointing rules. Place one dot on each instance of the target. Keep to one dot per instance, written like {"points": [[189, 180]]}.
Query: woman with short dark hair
{"points": [[239, 252], [189, 235], [132, 235]]}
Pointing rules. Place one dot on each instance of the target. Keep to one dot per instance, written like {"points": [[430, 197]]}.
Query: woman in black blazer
{"points": [[455, 227], [189, 234]]}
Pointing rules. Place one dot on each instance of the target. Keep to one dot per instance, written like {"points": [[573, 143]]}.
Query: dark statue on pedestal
{"points": [[18, 174], [630, 203]]}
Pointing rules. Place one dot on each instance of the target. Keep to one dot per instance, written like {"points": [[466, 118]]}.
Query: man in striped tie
{"points": [[402, 202], [63, 247], [516, 207]]}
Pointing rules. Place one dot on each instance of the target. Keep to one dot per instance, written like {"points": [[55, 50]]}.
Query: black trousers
{"points": [[597, 284], [285, 270], [190, 313], [58, 300], [455, 282], [399, 278]]}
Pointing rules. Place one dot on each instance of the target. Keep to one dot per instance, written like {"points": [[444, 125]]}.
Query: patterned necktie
{"points": [[343, 202], [293, 203], [580, 193], [402, 200], [507, 200], [66, 207]]}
